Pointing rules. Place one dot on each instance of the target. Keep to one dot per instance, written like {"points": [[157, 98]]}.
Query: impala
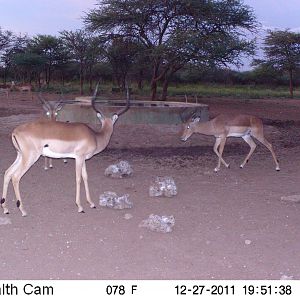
{"points": [[51, 109], [22, 88], [58, 140], [224, 126], [5, 91]]}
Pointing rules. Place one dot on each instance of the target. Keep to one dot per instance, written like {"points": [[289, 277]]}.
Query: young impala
{"points": [[224, 126], [51, 109], [58, 140]]}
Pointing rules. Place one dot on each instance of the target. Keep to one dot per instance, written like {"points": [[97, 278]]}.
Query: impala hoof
{"points": [[216, 170], [80, 210], [228, 166], [5, 211], [241, 166], [24, 214], [277, 169]]}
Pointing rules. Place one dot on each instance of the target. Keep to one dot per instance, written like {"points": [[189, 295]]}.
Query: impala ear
{"points": [[100, 117], [196, 120], [58, 106], [46, 108], [114, 118]]}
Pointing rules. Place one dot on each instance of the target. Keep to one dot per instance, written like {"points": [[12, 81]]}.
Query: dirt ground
{"points": [[229, 225]]}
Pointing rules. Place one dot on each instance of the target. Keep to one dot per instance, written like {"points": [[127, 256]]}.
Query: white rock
{"points": [[291, 198], [286, 277], [128, 216]]}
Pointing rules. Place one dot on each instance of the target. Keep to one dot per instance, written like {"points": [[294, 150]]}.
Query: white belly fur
{"points": [[238, 131], [47, 152], [237, 134]]}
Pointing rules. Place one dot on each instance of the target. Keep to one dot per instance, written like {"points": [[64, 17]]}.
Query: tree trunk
{"points": [[5, 76], [153, 89], [291, 84], [140, 80], [165, 88], [154, 81], [90, 79], [81, 79]]}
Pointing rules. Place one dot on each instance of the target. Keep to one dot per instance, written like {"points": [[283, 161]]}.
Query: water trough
{"points": [[140, 112]]}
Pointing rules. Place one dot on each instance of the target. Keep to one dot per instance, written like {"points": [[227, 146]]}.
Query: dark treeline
{"points": [[155, 43]]}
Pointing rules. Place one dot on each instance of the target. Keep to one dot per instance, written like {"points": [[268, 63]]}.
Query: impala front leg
{"points": [[220, 142], [79, 165]]}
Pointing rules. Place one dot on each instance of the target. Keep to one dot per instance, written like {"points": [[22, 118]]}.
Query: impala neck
{"points": [[103, 136], [205, 128]]}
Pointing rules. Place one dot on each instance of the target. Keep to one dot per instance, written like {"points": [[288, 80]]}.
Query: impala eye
{"points": [[48, 113], [188, 127], [56, 113]]}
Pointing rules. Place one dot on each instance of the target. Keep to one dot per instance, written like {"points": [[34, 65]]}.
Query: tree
{"points": [[82, 47], [50, 49], [122, 55], [28, 65], [177, 32], [282, 52], [6, 38], [17, 45], [94, 55]]}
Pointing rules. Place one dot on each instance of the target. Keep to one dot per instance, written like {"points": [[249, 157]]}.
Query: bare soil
{"points": [[229, 225]]}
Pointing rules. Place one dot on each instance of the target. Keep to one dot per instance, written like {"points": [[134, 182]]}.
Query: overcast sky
{"points": [[43, 16], [51, 16], [279, 14]]}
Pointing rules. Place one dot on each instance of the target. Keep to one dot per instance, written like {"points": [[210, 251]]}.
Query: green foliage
{"points": [[175, 33], [5, 39], [282, 52]]}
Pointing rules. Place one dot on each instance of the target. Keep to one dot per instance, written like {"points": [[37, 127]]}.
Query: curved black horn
{"points": [[43, 101], [123, 110], [94, 99]]}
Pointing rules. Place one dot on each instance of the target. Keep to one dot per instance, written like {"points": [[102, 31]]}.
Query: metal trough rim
{"points": [[137, 103]]}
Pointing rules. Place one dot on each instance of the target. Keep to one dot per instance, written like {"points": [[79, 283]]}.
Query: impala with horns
{"points": [[58, 140], [51, 109], [224, 126]]}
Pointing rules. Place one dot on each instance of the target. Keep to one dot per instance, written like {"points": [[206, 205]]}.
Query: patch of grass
{"points": [[235, 91], [191, 90]]}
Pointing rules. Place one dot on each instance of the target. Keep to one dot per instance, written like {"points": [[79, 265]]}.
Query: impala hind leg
{"points": [[48, 163], [86, 185], [269, 146], [7, 177], [252, 145], [24, 165], [220, 142]]}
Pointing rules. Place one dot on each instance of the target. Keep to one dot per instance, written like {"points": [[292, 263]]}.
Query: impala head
{"points": [[51, 107], [189, 128], [102, 118]]}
